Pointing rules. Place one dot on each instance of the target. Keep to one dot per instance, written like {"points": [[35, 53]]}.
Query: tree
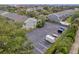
{"points": [[33, 14], [40, 23], [46, 8]]}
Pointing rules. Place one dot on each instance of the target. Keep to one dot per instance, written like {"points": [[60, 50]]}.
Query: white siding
{"points": [[30, 23]]}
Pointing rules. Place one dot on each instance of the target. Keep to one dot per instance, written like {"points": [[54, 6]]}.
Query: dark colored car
{"points": [[61, 29]]}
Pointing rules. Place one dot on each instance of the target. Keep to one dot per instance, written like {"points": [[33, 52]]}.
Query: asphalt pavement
{"points": [[37, 37]]}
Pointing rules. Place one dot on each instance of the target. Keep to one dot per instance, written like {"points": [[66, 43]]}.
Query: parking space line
{"points": [[39, 50], [43, 46]]}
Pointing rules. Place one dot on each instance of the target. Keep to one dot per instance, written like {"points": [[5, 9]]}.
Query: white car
{"points": [[55, 35], [51, 38], [65, 23]]}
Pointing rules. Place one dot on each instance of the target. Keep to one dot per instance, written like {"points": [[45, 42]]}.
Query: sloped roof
{"points": [[64, 14], [13, 16], [31, 20], [30, 23]]}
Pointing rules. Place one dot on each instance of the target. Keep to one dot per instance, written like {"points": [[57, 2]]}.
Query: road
{"points": [[37, 37]]}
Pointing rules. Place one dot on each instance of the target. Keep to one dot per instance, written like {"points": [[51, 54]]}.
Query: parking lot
{"points": [[37, 37]]}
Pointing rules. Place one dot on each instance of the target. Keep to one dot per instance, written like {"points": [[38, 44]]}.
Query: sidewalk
{"points": [[75, 46]]}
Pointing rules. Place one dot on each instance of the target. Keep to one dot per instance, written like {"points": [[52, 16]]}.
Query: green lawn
{"points": [[69, 19]]}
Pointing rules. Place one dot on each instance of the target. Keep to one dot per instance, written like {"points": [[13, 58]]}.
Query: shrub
{"points": [[40, 23], [63, 49], [32, 13]]}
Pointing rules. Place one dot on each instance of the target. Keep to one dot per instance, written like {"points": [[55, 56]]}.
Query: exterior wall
{"points": [[30, 23], [53, 17]]}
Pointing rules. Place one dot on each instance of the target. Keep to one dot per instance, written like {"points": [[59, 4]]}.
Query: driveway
{"points": [[37, 37]]}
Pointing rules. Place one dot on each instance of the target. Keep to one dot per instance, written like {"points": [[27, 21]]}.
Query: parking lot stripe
{"points": [[43, 46], [39, 50]]}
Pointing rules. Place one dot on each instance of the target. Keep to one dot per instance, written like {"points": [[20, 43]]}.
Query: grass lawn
{"points": [[69, 19]]}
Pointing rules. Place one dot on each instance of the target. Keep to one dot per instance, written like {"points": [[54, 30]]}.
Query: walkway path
{"points": [[75, 46]]}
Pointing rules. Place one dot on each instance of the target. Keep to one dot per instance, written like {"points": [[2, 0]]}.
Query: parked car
{"points": [[65, 23], [61, 29], [51, 38]]}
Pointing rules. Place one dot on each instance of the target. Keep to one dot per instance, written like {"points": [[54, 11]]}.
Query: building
{"points": [[77, 9], [60, 16], [30, 23], [13, 16]]}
